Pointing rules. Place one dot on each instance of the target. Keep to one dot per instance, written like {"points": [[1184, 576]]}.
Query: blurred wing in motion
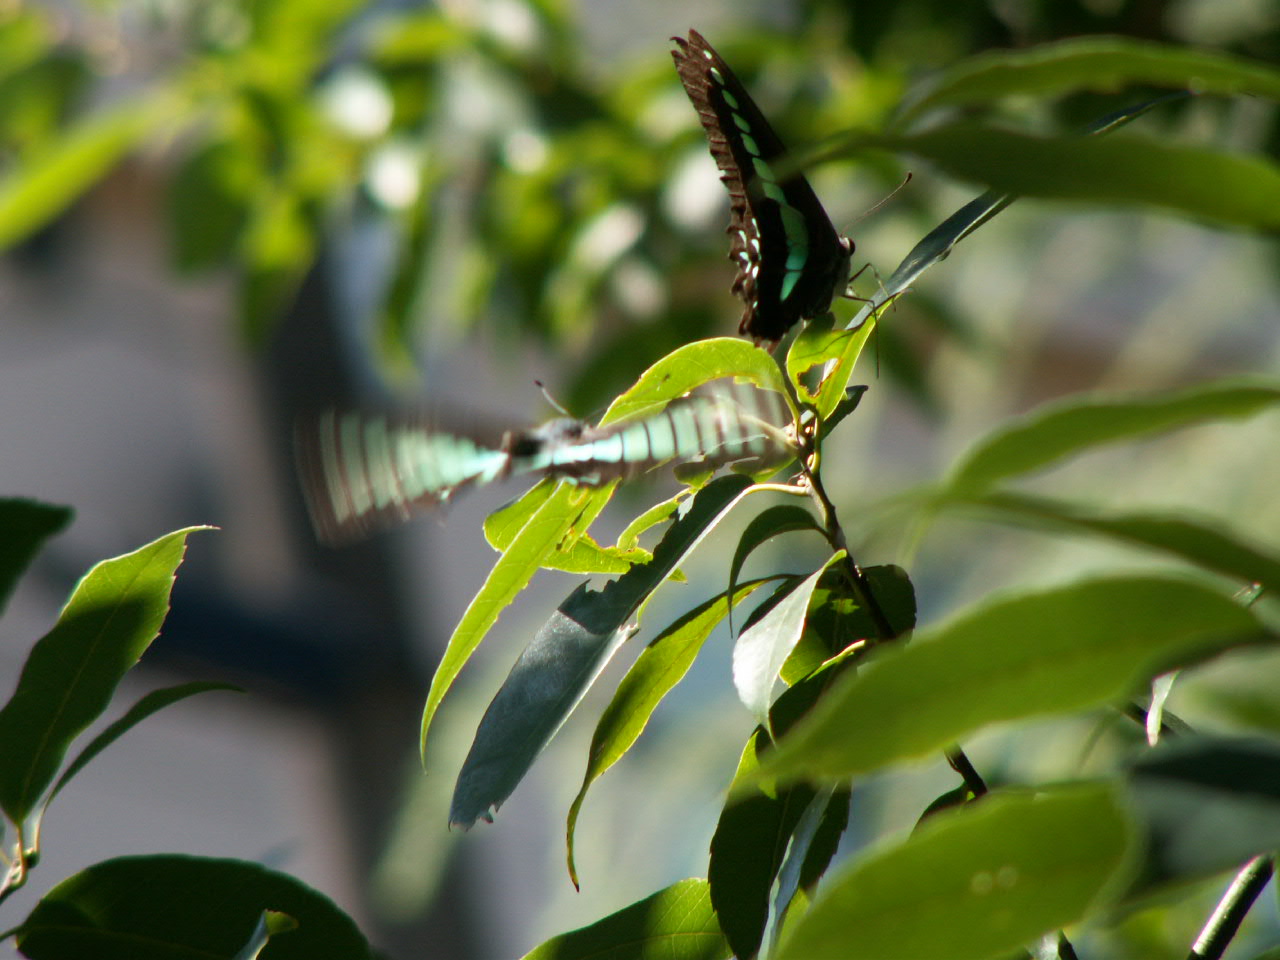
{"points": [[360, 472]]}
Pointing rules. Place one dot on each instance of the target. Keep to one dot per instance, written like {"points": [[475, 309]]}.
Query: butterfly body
{"points": [[791, 261], [361, 472]]}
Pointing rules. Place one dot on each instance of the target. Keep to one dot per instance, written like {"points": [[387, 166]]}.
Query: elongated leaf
{"points": [[1207, 804], [813, 845], [1015, 657], [656, 671], [764, 526], [72, 671], [1233, 189], [748, 849], [564, 658], [1199, 541], [691, 366], [764, 647], [839, 370], [167, 906], [48, 182], [26, 525], [658, 513], [1061, 430], [503, 525], [577, 552], [511, 574], [1101, 64], [938, 243], [153, 702], [545, 685], [973, 884], [676, 923], [759, 822]]}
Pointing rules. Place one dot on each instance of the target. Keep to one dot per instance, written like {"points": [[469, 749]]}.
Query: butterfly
{"points": [[791, 261], [360, 472]]}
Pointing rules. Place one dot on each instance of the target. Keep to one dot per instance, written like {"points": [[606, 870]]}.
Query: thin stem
{"points": [[1230, 912]]}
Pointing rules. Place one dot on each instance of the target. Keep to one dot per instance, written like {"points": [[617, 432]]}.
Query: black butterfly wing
{"points": [[790, 258]]}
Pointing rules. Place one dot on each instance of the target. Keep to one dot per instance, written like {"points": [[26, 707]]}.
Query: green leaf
{"points": [[658, 513], [973, 884], [153, 702], [27, 524], [1197, 541], [748, 849], [269, 924], [167, 906], [208, 201], [577, 552], [938, 243], [837, 620], [676, 923], [1015, 657], [545, 529], [51, 179], [819, 343], [835, 378], [1102, 64], [1241, 191], [1061, 430], [756, 828], [813, 846], [691, 366], [72, 671], [763, 647], [1207, 804], [503, 525], [660, 666], [769, 523], [585, 557], [566, 655]]}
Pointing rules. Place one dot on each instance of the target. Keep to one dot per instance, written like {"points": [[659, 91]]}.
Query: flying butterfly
{"points": [[791, 261], [360, 472]]}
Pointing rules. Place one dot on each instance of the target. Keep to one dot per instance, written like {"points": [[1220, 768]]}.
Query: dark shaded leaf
{"points": [[27, 524], [167, 906]]}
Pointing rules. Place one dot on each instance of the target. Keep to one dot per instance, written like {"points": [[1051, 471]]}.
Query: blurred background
{"points": [[218, 215]]}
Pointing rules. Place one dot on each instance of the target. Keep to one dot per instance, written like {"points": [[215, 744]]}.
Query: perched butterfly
{"points": [[361, 472], [791, 261]]}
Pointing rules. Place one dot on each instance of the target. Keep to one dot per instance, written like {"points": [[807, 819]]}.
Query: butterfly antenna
{"points": [[882, 201], [550, 399]]}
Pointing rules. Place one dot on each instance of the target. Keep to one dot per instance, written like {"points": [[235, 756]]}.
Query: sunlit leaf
{"points": [[566, 655], [71, 673], [691, 366], [973, 884], [1010, 658], [677, 923], [511, 574]]}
